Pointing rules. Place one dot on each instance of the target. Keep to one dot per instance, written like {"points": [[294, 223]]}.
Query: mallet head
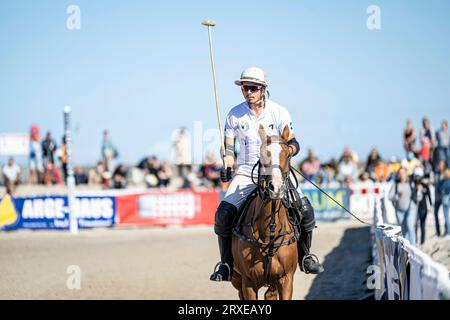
{"points": [[208, 23]]}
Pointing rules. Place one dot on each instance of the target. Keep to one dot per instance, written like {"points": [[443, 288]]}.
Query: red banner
{"points": [[160, 208]]}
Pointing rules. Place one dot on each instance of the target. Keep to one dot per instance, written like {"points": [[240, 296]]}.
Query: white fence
{"points": [[403, 271]]}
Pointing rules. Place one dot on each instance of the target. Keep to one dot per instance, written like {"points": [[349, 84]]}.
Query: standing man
{"points": [[183, 155], [427, 131], [109, 152], [242, 124], [36, 165], [409, 137], [48, 149], [443, 143]]}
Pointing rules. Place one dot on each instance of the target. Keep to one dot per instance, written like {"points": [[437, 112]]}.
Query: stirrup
{"points": [[216, 271], [311, 255]]}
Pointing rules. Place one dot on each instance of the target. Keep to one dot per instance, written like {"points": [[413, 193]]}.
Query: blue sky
{"points": [[141, 69]]}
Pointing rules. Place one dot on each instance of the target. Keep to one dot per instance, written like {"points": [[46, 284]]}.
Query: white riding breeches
{"points": [[240, 188]]}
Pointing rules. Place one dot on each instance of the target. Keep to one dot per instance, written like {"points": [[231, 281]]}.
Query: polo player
{"points": [[242, 124]]}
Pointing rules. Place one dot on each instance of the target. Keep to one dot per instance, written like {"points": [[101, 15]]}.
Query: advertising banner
{"points": [[324, 207], [51, 212], [161, 208]]}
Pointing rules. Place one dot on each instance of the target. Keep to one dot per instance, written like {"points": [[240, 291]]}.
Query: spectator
{"points": [[36, 165], [183, 157], [109, 152], [444, 190], [11, 176], [93, 177], [425, 153], [310, 166], [381, 171], [80, 176], [438, 193], [99, 175], [365, 180], [410, 163], [443, 143], [62, 156], [428, 132], [422, 198], [349, 153], [328, 172], [151, 167], [372, 161], [48, 149], [191, 181], [401, 196], [409, 137], [393, 167], [52, 174], [347, 170], [210, 171], [164, 175], [119, 177]]}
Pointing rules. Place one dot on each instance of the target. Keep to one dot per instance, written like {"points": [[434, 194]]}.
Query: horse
{"points": [[264, 244]]}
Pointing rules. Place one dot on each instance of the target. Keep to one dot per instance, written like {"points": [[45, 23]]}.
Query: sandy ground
{"points": [[164, 263], [438, 248]]}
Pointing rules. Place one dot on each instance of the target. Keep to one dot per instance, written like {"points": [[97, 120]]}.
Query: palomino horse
{"points": [[264, 241]]}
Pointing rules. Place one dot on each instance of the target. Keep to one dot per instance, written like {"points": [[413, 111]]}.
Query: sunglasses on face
{"points": [[246, 88]]}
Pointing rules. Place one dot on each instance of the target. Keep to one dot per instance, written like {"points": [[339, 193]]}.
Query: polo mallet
{"points": [[209, 24]]}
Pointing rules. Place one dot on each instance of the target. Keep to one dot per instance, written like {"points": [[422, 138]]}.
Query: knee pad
{"points": [[308, 222], [225, 215]]}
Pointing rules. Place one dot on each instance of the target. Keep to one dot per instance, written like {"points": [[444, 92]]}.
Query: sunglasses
{"points": [[246, 88]]}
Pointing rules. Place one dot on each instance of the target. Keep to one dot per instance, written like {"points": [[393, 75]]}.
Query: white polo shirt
{"points": [[242, 124], [11, 172]]}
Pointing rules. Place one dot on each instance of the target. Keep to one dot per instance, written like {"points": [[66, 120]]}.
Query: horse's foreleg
{"points": [[249, 292], [271, 293], [237, 283], [285, 287]]}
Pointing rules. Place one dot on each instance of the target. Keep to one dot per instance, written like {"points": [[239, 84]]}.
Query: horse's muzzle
{"points": [[276, 195]]}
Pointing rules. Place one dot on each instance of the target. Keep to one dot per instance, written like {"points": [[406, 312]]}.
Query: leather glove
{"points": [[225, 174]]}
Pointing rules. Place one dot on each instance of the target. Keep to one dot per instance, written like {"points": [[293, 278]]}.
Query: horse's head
{"points": [[274, 162]]}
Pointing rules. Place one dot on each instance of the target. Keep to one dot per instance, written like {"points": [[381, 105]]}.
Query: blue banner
{"points": [[325, 208], [52, 212]]}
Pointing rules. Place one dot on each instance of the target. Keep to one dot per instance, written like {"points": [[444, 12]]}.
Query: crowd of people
{"points": [[43, 166], [426, 167], [426, 163]]}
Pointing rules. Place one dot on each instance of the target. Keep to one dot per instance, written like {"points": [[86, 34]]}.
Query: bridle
{"points": [[264, 183]]}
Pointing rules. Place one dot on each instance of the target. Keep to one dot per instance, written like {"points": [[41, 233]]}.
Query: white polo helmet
{"points": [[253, 75]]}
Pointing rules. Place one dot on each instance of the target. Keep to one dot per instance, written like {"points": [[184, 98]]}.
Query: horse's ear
{"points": [[262, 133], [286, 133]]}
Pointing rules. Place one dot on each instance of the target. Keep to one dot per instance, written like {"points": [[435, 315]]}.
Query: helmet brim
{"points": [[240, 82]]}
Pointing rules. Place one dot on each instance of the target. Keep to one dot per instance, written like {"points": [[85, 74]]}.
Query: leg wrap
{"points": [[308, 222], [225, 216]]}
